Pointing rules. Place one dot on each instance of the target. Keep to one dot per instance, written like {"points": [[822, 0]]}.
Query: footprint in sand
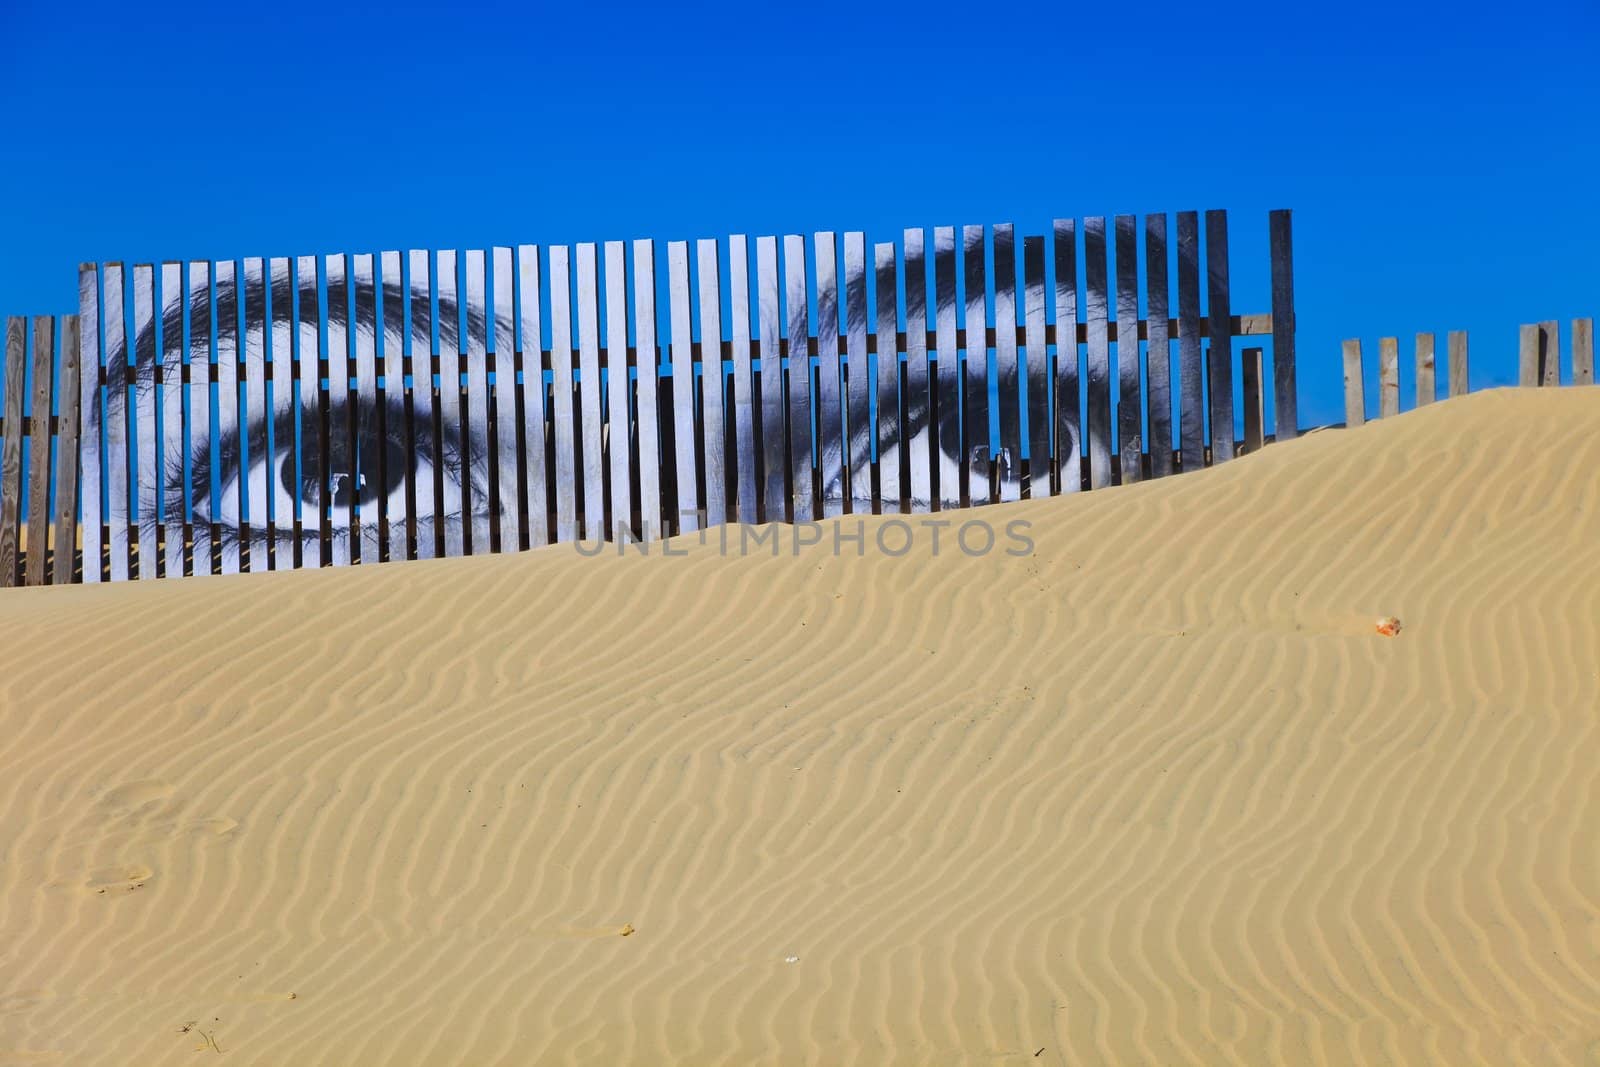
{"points": [[135, 795], [118, 879]]}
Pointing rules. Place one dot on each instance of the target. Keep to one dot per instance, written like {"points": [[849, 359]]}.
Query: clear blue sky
{"points": [[1441, 159]]}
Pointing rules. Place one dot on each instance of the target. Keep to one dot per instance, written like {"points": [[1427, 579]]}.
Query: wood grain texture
{"points": [[1097, 309], [254, 415], [227, 427], [1191, 398], [1037, 356], [774, 412], [947, 465], [1007, 465], [1529, 372], [1355, 400], [143, 429], [685, 433], [198, 425], [475, 463], [507, 475], [91, 438], [281, 297], [713, 408], [747, 497], [891, 451], [977, 449], [649, 371], [1069, 440], [561, 382], [619, 393], [1286, 408], [117, 459], [39, 468], [1457, 342], [1130, 408], [1426, 389], [859, 431], [829, 407], [1582, 351], [1219, 352], [11, 488], [917, 432], [591, 409], [1388, 377], [535, 456], [801, 471], [1254, 400]]}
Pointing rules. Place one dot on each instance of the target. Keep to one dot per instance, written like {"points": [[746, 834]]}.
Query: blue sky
{"points": [[1442, 163]]}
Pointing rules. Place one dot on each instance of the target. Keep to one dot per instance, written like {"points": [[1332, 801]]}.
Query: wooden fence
{"points": [[1539, 364], [273, 413]]}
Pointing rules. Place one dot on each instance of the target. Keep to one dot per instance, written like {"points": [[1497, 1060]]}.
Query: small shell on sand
{"points": [[1388, 626]]}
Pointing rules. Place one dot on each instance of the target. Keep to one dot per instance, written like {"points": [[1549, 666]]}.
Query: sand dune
{"points": [[1153, 793]]}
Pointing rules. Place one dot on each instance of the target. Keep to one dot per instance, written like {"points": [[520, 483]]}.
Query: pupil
{"points": [[344, 487]]}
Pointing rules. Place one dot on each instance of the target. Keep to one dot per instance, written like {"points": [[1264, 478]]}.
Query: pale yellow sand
{"points": [[1155, 794]]}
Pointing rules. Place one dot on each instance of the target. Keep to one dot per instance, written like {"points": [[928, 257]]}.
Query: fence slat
{"points": [[1286, 407], [977, 459], [1158, 350], [1069, 402], [254, 416], [91, 473], [280, 310], [1191, 399], [592, 425], [1388, 377], [66, 512], [648, 359], [1582, 351], [858, 407], [475, 436], [312, 441], [1038, 367], [393, 298], [1254, 401], [619, 391], [1529, 372], [948, 465], [802, 489], [228, 427], [1426, 390], [116, 420], [1130, 407], [566, 464], [1457, 342], [341, 470], [143, 425], [713, 420], [774, 417], [830, 413], [11, 447], [685, 468], [535, 460], [202, 354], [1005, 362], [1096, 300], [890, 441], [1219, 357], [1549, 353], [1355, 401], [918, 427], [44, 363], [744, 426]]}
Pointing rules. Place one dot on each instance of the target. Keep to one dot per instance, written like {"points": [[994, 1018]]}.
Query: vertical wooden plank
{"points": [[44, 366], [774, 414], [91, 470], [1457, 341], [647, 359], [619, 392], [918, 428], [744, 435], [1191, 399], [803, 499], [448, 457], [475, 435], [713, 421], [977, 458], [830, 416], [116, 419], [11, 447], [1219, 357], [566, 464], [1528, 369], [202, 362], [172, 312], [683, 389], [422, 523], [1549, 353], [142, 426], [228, 427], [888, 438], [1158, 348], [337, 502], [253, 471], [1355, 401], [1426, 390], [1286, 407], [280, 334], [312, 441], [948, 465], [1037, 355], [1008, 381], [67, 475], [1097, 303], [1388, 377], [1254, 401], [1069, 435], [535, 463], [394, 512], [589, 393], [1130, 407], [858, 413], [1582, 351]]}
